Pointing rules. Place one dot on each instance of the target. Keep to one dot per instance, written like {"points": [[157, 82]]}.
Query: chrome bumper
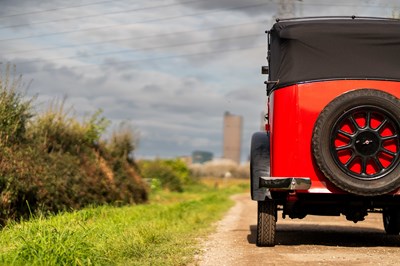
{"points": [[286, 183]]}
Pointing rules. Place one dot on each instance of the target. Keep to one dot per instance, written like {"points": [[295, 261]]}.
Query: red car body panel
{"points": [[293, 111]]}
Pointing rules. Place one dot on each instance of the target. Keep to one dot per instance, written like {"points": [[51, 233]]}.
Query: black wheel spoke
{"points": [[395, 136], [379, 164], [346, 134], [394, 154], [368, 120], [345, 147], [356, 126], [349, 161], [363, 166], [383, 123]]}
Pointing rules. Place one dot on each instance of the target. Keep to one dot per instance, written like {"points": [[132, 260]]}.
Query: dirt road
{"points": [[314, 240]]}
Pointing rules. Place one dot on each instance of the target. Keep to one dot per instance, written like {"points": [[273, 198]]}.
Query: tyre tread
{"points": [[391, 221], [266, 226]]}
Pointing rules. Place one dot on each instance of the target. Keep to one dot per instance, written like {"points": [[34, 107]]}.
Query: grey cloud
{"points": [[26, 68], [127, 77], [97, 81], [176, 101], [251, 8], [17, 12], [151, 88], [244, 94]]}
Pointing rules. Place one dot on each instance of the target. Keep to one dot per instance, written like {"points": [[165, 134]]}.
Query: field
{"points": [[164, 232]]}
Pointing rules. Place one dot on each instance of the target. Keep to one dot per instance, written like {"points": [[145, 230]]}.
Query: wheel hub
{"points": [[367, 143]]}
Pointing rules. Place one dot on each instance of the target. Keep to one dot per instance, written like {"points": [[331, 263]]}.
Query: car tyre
{"points": [[266, 225], [391, 221], [355, 142]]}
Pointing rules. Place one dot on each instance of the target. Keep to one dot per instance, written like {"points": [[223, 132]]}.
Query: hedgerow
{"points": [[52, 161], [171, 174]]}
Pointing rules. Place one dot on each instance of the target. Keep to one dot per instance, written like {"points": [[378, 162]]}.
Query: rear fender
{"points": [[261, 181], [259, 165]]}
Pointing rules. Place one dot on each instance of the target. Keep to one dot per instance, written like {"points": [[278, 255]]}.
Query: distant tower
{"points": [[232, 137]]}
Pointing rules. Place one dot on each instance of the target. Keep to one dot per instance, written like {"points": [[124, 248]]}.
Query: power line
{"points": [[138, 9], [56, 9], [143, 49], [343, 4], [100, 15], [222, 51], [113, 1], [187, 55], [139, 22], [129, 39]]}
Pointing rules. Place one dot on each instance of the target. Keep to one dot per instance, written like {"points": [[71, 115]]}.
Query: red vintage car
{"points": [[332, 133]]}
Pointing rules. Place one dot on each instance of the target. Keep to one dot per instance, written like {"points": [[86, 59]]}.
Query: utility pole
{"points": [[285, 9], [396, 12]]}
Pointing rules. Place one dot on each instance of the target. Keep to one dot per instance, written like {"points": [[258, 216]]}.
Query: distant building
{"points": [[232, 137], [201, 156]]}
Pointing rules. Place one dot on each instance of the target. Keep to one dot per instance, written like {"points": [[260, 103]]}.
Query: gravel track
{"points": [[315, 240]]}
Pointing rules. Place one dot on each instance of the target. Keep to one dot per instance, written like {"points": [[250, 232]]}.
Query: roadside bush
{"points": [[18, 182], [57, 131], [119, 151], [53, 162], [172, 174], [131, 187], [123, 141], [15, 110]]}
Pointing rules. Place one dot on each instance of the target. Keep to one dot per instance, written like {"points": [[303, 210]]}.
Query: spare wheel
{"points": [[355, 142]]}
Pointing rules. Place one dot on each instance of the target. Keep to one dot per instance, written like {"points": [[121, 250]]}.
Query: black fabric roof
{"points": [[319, 49]]}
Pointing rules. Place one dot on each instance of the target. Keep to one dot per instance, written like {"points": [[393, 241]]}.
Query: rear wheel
{"points": [[266, 225], [391, 221]]}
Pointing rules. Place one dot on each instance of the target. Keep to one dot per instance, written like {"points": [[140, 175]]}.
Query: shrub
{"points": [[18, 182], [172, 174], [15, 111], [57, 131], [123, 141], [54, 162]]}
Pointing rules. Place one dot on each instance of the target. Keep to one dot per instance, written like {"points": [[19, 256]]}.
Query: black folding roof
{"points": [[327, 48]]}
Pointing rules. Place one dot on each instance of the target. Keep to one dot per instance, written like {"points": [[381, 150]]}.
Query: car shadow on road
{"points": [[328, 235]]}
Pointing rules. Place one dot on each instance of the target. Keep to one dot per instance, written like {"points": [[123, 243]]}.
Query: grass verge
{"points": [[164, 232]]}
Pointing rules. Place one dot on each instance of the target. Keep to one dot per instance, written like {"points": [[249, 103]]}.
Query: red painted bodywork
{"points": [[293, 111]]}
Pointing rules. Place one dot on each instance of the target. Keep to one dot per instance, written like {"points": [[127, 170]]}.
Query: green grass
{"points": [[164, 232]]}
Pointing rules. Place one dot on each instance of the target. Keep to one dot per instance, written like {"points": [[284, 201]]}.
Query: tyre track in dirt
{"points": [[315, 240]]}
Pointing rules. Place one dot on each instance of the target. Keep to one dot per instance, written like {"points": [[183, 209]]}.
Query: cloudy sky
{"points": [[170, 68]]}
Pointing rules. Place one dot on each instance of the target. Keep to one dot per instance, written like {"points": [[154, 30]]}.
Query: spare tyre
{"points": [[355, 142]]}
